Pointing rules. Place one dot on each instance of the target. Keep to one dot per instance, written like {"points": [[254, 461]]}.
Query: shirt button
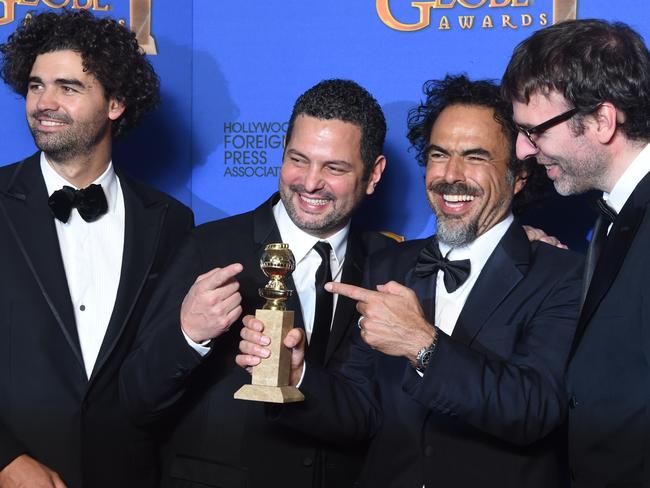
{"points": [[573, 402], [82, 308], [428, 451]]}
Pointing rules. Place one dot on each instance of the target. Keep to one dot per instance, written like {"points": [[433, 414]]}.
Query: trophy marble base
{"points": [[271, 394], [270, 381]]}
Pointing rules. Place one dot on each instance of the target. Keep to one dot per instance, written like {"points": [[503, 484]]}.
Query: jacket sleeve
{"points": [[341, 405], [520, 398], [154, 376]]}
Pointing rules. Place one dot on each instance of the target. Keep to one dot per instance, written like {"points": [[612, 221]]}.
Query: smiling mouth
{"points": [[316, 202], [50, 123], [457, 198]]}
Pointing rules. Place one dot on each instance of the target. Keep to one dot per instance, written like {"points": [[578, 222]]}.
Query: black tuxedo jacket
{"points": [[608, 378], [486, 410], [219, 441], [49, 409]]}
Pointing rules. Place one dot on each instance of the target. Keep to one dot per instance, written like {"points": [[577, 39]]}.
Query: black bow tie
{"points": [[431, 261], [90, 202]]}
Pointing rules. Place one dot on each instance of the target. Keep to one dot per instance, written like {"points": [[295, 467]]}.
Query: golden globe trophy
{"points": [[271, 377]]}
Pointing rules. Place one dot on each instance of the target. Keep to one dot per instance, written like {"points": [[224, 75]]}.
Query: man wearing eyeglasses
{"points": [[581, 97], [455, 372]]}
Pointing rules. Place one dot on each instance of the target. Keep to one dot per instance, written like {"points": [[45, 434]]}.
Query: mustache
{"points": [[324, 194], [443, 188], [50, 114]]}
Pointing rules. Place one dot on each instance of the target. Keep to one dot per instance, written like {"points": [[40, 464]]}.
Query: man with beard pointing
{"points": [[455, 371]]}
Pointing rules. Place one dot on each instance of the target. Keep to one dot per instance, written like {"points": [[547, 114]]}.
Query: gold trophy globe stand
{"points": [[271, 377]]}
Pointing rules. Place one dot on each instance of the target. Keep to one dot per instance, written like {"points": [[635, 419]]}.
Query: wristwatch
{"points": [[424, 356]]}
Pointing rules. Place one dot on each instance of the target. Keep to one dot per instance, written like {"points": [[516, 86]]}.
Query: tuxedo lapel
{"points": [[424, 287], [142, 226], [611, 259], [265, 231], [501, 273], [346, 307], [24, 205]]}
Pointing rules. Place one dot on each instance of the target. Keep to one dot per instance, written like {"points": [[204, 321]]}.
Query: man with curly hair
{"points": [[455, 371], [80, 247]]}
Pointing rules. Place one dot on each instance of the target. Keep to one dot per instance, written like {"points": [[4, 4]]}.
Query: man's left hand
{"points": [[392, 320]]}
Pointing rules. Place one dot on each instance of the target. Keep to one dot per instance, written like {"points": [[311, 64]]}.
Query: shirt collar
{"points": [[479, 250], [628, 181], [54, 181], [300, 242]]}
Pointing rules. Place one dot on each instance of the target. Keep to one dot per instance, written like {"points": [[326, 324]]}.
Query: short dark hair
{"points": [[109, 51], [459, 90], [347, 101], [588, 61]]}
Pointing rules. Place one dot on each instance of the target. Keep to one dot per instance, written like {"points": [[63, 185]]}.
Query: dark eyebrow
{"points": [[434, 147], [58, 81], [478, 151], [295, 152]]}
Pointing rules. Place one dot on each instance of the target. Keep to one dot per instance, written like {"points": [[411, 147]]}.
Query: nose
{"points": [[47, 100], [524, 148], [454, 170], [313, 178]]}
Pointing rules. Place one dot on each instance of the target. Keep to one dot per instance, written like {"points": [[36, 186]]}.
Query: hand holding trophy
{"points": [[271, 377]]}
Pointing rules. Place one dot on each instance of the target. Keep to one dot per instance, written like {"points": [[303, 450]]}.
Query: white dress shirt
{"points": [[449, 305], [628, 181], [92, 258], [308, 261]]}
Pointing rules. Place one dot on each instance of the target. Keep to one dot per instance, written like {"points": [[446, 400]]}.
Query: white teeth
{"points": [[314, 201], [50, 123], [458, 198]]}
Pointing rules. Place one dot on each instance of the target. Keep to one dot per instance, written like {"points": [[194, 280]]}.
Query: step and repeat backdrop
{"points": [[231, 70]]}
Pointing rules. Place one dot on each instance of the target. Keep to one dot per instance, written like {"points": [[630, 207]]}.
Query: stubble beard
{"points": [[326, 225], [78, 139]]}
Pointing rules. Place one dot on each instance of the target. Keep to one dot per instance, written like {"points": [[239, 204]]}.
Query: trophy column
{"points": [[140, 11], [270, 381]]}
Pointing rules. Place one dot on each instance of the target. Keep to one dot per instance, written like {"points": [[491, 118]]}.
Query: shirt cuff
{"points": [[202, 348], [302, 375]]}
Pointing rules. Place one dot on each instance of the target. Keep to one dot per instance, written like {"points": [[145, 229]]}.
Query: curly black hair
{"points": [[459, 90], [347, 101], [109, 51]]}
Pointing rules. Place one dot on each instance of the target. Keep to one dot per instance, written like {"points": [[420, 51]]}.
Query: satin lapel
{"points": [[424, 288], [265, 231], [142, 226], [345, 307], [609, 263], [24, 205], [501, 273]]}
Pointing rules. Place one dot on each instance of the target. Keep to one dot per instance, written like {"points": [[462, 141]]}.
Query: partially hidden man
{"points": [[81, 246], [455, 372], [183, 369], [581, 97]]}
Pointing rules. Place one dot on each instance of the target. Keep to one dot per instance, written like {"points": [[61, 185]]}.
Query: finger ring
{"points": [[359, 321]]}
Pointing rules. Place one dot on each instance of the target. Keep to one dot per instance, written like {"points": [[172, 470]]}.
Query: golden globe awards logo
{"points": [[139, 12], [446, 14]]}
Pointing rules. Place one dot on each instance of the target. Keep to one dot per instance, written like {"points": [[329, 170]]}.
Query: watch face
{"points": [[426, 357], [423, 358]]}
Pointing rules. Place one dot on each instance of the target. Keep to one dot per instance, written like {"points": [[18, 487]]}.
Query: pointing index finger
{"points": [[219, 276], [354, 292]]}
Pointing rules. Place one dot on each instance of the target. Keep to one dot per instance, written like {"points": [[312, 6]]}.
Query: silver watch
{"points": [[424, 356]]}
